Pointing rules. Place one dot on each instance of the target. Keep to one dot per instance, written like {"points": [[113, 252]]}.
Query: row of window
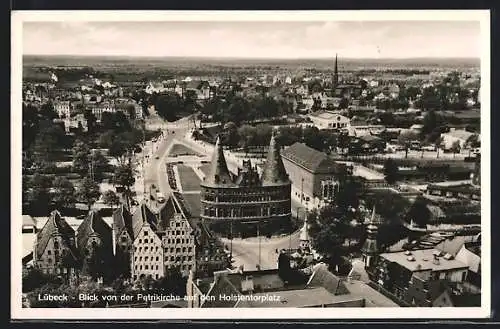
{"points": [[178, 250], [167, 258], [179, 241], [157, 276], [146, 248]]}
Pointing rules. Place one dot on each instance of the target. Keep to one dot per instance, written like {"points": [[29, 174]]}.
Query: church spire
{"points": [[336, 74], [218, 173], [274, 172]]}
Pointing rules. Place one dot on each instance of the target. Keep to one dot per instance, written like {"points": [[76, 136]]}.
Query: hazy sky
{"points": [[367, 39]]}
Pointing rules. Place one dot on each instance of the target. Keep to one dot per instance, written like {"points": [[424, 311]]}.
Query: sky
{"points": [[279, 39]]}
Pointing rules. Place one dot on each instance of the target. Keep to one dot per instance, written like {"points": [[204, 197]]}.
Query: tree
{"points": [[419, 213], [405, 139], [312, 138], [390, 171], [63, 193], [99, 164], [431, 122], [328, 231], [111, 198], [81, 157], [88, 191], [38, 196], [456, 147], [168, 106], [124, 177]]}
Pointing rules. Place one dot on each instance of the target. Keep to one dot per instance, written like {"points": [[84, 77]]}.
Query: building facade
{"points": [[94, 241], [312, 173], [55, 249], [246, 202]]}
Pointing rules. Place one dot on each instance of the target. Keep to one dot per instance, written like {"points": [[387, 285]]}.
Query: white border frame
{"points": [[18, 313]]}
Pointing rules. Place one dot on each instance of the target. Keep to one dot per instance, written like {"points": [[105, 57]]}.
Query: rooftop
{"points": [[308, 297], [422, 260], [310, 159]]}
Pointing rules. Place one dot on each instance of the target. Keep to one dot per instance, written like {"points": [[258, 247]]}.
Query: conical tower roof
{"points": [[274, 172], [219, 174]]}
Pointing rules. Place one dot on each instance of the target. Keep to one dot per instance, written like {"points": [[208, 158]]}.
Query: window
{"points": [[146, 267], [190, 258], [140, 240], [156, 268], [146, 241], [183, 249], [124, 239], [146, 248], [146, 258], [183, 258], [145, 233], [171, 258], [49, 260], [171, 249], [157, 258], [48, 252], [157, 275], [140, 267], [56, 244], [190, 249]]}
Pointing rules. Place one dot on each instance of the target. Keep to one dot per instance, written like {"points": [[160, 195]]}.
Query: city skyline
{"points": [[259, 40]]}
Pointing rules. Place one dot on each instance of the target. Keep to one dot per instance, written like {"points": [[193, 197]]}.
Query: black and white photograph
{"points": [[229, 164]]}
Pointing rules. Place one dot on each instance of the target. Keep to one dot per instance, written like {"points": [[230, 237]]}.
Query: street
{"points": [[245, 251]]}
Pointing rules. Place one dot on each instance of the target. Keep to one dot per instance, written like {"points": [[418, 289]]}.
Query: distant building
{"points": [[329, 120], [246, 202], [312, 173]]}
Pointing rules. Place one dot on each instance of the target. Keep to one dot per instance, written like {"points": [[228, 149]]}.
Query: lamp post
{"points": [[302, 190]]}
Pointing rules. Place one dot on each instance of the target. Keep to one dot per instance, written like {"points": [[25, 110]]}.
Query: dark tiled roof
{"points": [[218, 174], [54, 226], [310, 159], [143, 215], [322, 277], [122, 220], [274, 172], [222, 287], [93, 224]]}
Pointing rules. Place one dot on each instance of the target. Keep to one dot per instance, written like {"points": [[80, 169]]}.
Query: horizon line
{"points": [[248, 58]]}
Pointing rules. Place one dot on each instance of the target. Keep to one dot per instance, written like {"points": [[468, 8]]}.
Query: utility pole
{"points": [[258, 233], [302, 190], [231, 238]]}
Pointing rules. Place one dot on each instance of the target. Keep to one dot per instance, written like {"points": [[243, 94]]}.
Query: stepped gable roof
{"points": [[93, 224], [143, 215], [167, 211], [274, 172], [218, 175], [312, 160], [247, 176], [322, 277], [55, 225], [122, 220]]}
